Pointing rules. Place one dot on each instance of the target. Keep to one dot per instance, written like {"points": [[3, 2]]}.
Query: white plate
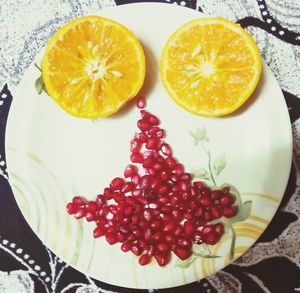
{"points": [[52, 156]]}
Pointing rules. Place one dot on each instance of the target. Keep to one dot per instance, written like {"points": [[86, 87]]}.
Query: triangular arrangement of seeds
{"points": [[156, 208]]}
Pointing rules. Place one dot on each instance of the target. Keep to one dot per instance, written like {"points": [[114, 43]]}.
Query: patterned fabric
{"points": [[271, 265]]}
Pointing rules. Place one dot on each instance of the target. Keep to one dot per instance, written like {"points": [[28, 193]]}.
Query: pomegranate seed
{"points": [[135, 145], [153, 143], [136, 158], [199, 184], [128, 186], [130, 171], [178, 231], [205, 201], [124, 229], [165, 209], [175, 201], [225, 190], [169, 228], [163, 259], [199, 212], [98, 232], [121, 237], [207, 229], [147, 234], [144, 114], [163, 247], [183, 185], [198, 237], [79, 201], [153, 131], [160, 134], [138, 208], [182, 253], [215, 194], [126, 246], [143, 137], [144, 259], [80, 213], [226, 200], [179, 169], [215, 212], [142, 224], [143, 125], [170, 238], [135, 219], [184, 242], [148, 162], [100, 201], [71, 208], [193, 192], [141, 102], [163, 199], [118, 197], [154, 120], [207, 216], [117, 183], [128, 211], [211, 238], [111, 230], [188, 216], [155, 183], [229, 212], [157, 236], [155, 224], [157, 166], [129, 200], [137, 233], [166, 149], [205, 192], [163, 175], [170, 162], [166, 218], [136, 249], [151, 250], [193, 205], [188, 228], [89, 216], [219, 229], [131, 237], [111, 239]]}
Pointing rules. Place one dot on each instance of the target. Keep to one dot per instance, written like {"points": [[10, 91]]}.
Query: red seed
{"points": [[142, 224], [141, 102], [160, 134], [179, 169], [199, 184], [136, 158], [108, 193], [143, 125], [163, 175], [143, 137], [135, 179], [71, 209], [144, 114], [148, 162], [153, 143], [117, 183], [147, 234], [177, 214], [128, 186], [128, 211], [182, 253], [137, 233], [215, 194], [100, 201], [157, 236], [215, 212], [207, 216], [130, 171], [188, 215], [136, 249], [199, 212], [166, 149], [170, 162], [169, 227], [121, 237], [144, 259], [183, 185], [90, 216], [129, 200], [205, 201], [163, 189], [198, 237], [170, 238], [151, 250], [178, 231], [207, 229], [98, 231], [163, 259], [155, 224], [154, 120], [80, 213], [219, 229], [165, 209], [157, 166], [226, 200], [111, 238], [79, 201], [153, 131], [185, 242], [126, 246], [229, 212], [212, 238], [163, 247], [188, 228], [135, 145], [135, 219]]}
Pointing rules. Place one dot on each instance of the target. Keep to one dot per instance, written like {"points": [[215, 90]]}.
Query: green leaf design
{"points": [[200, 173], [39, 84], [203, 250], [220, 164], [185, 263], [199, 135]]}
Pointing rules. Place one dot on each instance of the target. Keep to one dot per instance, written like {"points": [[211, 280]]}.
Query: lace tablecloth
{"points": [[271, 265]]}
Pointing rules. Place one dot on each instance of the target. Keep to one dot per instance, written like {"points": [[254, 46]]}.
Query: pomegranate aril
{"points": [[215, 212], [119, 197], [128, 211], [212, 238], [188, 216], [148, 162], [131, 238], [145, 114], [137, 233], [136, 249], [164, 175], [151, 250], [129, 200], [199, 184], [215, 194], [79, 213], [163, 199], [182, 253], [153, 120], [141, 102], [155, 224], [153, 131], [135, 219], [175, 201], [198, 237], [90, 216], [163, 247], [166, 149], [176, 188], [138, 208], [206, 192], [170, 162], [170, 238], [185, 242], [144, 259], [136, 158], [160, 134], [166, 218], [157, 236], [219, 229], [199, 212], [117, 183], [130, 171], [128, 186], [79, 201], [178, 231], [121, 237], [124, 229], [165, 209], [205, 201], [207, 216], [207, 229], [143, 137], [157, 166], [183, 185], [111, 238], [169, 227], [188, 228], [71, 209], [229, 212], [147, 234], [126, 246], [98, 232], [163, 259], [142, 224], [226, 200], [179, 169], [135, 145], [153, 143], [143, 125]]}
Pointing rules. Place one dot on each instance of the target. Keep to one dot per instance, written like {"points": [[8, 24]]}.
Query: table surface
{"points": [[271, 265]]}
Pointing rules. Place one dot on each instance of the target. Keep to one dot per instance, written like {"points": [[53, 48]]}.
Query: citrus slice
{"points": [[210, 66], [92, 66]]}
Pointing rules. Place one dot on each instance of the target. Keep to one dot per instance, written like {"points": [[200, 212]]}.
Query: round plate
{"points": [[53, 156]]}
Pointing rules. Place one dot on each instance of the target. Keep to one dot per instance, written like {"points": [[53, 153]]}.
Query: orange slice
{"points": [[210, 66], [92, 66]]}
